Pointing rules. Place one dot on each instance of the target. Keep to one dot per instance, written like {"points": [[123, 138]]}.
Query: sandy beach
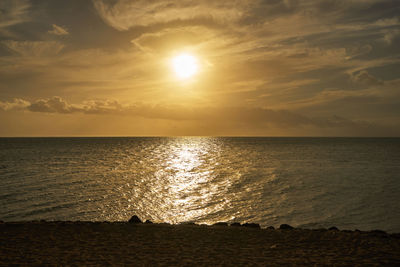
{"points": [[120, 243]]}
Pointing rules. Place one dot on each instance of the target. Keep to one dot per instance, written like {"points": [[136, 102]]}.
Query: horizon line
{"points": [[195, 136]]}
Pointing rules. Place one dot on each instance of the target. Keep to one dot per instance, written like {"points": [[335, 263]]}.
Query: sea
{"points": [[350, 183]]}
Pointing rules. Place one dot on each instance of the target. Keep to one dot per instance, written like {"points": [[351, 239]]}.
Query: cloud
{"points": [[233, 115], [366, 78], [52, 105], [123, 15], [33, 48], [58, 105], [390, 35], [13, 12], [211, 119], [170, 39], [58, 30], [16, 104], [387, 22]]}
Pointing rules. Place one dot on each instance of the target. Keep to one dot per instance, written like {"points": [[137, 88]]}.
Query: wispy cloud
{"points": [[126, 14], [58, 30], [33, 48], [13, 12], [366, 78]]}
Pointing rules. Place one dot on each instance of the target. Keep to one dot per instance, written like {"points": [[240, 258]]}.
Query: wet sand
{"points": [[91, 243]]}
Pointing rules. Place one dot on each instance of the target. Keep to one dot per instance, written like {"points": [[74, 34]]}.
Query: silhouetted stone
{"points": [[135, 219], [148, 221], [270, 228], [236, 224], [378, 232], [286, 227], [220, 224], [251, 225], [188, 223], [333, 228]]}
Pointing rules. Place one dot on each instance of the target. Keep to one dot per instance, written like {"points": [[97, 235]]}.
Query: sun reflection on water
{"points": [[177, 180], [187, 174]]}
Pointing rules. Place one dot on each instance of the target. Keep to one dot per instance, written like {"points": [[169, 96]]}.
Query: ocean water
{"points": [[351, 183]]}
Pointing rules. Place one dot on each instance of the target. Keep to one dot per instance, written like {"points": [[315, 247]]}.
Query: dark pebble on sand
{"points": [[286, 227], [188, 223], [220, 224], [251, 225], [379, 232], [135, 219]]}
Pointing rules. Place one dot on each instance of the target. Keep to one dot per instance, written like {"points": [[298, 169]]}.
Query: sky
{"points": [[265, 68]]}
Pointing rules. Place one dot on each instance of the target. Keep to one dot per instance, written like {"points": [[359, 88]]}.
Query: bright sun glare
{"points": [[185, 65]]}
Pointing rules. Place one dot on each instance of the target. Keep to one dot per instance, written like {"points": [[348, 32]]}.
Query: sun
{"points": [[185, 65]]}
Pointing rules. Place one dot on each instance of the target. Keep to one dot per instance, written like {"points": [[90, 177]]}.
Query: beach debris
{"points": [[236, 224], [333, 228], [220, 224], [286, 227], [251, 225], [134, 219], [148, 222]]}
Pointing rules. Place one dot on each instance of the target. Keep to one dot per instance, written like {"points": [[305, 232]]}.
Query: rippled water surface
{"points": [[306, 182]]}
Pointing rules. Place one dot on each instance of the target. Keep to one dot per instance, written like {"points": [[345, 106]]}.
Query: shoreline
{"points": [[124, 243]]}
